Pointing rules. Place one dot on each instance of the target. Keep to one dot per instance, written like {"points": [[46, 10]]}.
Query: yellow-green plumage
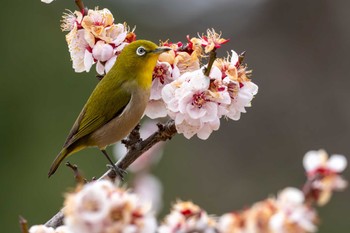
{"points": [[117, 103]]}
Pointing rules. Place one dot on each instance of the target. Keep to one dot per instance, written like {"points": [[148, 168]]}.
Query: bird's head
{"points": [[139, 58], [141, 55]]}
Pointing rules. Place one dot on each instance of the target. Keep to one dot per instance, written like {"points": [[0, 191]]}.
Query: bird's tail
{"points": [[64, 153]]}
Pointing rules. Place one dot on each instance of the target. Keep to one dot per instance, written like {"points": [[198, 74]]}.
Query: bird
{"points": [[117, 103]]}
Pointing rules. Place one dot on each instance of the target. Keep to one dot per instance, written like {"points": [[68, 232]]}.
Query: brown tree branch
{"points": [[165, 131]]}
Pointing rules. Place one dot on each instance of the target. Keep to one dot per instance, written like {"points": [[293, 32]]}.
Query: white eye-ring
{"points": [[141, 51]]}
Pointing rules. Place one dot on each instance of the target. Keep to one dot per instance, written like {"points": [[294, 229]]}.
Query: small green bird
{"points": [[117, 103]]}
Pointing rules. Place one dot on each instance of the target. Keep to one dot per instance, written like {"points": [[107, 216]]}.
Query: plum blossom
{"points": [[100, 207], [187, 217], [169, 67], [318, 162], [212, 40], [94, 39], [161, 76], [197, 102], [292, 214], [189, 103], [242, 99], [88, 209], [97, 22], [324, 172], [186, 62], [71, 20], [80, 51]]}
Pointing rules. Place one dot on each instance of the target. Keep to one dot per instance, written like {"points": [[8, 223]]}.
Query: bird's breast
{"points": [[120, 126]]}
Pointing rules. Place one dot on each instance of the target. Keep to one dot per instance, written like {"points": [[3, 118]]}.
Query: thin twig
{"points": [[81, 6], [311, 194], [165, 131], [23, 224], [77, 176], [212, 58]]}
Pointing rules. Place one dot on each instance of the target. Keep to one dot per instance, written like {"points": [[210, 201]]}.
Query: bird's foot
{"points": [[118, 171]]}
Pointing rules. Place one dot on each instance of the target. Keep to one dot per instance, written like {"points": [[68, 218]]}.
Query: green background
{"points": [[299, 53]]}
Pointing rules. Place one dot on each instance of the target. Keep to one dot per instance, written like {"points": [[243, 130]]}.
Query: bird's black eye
{"points": [[141, 51]]}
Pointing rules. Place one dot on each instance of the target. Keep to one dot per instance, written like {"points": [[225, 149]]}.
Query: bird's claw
{"points": [[120, 172]]}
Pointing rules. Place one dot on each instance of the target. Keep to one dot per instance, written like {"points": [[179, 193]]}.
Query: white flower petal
{"points": [[110, 63], [41, 229], [314, 159], [47, 1], [168, 92], [211, 112], [204, 132], [291, 195], [120, 38], [89, 38], [195, 112], [276, 222], [100, 68], [176, 72], [63, 229], [156, 90], [88, 60], [186, 129], [234, 58], [215, 73], [337, 163], [120, 47], [253, 88], [199, 81]]}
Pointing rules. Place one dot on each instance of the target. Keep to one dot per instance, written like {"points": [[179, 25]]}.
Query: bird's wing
{"points": [[99, 110]]}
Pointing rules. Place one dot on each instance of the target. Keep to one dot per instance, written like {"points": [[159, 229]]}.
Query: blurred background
{"points": [[299, 53]]}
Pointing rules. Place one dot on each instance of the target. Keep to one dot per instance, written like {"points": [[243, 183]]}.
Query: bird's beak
{"points": [[161, 50]]}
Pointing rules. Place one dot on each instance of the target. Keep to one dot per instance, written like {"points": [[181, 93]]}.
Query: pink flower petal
{"points": [[156, 109], [102, 51]]}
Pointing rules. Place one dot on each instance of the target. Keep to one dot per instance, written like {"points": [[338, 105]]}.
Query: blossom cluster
{"points": [[94, 38], [287, 213], [100, 207], [324, 175], [180, 89], [194, 100], [187, 217]]}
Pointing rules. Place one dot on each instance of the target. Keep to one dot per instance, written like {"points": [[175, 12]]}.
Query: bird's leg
{"points": [[120, 172]]}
